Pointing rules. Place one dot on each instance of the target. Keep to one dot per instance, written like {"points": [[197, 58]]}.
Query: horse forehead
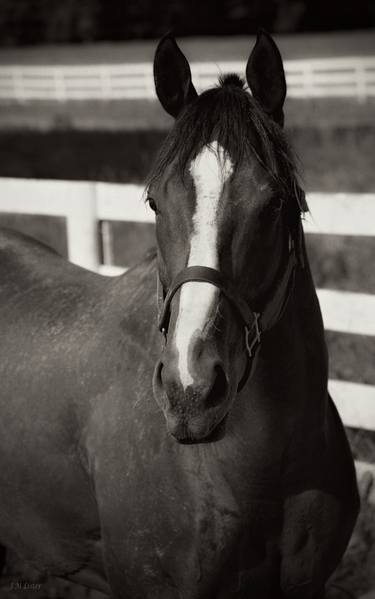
{"points": [[210, 169]]}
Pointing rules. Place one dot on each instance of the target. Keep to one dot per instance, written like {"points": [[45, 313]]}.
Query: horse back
{"points": [[65, 331], [26, 263]]}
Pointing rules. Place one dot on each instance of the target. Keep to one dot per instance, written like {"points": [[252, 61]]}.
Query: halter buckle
{"points": [[256, 339]]}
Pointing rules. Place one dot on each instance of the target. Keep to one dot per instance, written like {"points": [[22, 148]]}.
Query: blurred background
{"points": [[77, 104], [51, 21]]}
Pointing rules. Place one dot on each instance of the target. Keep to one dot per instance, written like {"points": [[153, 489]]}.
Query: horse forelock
{"points": [[229, 115]]}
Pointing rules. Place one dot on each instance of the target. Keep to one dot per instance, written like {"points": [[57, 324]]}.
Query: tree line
{"points": [[56, 21]]}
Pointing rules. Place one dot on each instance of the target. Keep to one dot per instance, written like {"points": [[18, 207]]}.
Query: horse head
{"points": [[227, 217]]}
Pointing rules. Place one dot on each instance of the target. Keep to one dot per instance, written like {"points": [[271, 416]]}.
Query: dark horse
{"points": [[250, 489]]}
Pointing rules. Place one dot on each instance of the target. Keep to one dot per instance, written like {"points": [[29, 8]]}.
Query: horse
{"points": [[168, 433]]}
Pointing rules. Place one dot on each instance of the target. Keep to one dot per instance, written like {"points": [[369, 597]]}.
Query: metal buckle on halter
{"points": [[256, 339]]}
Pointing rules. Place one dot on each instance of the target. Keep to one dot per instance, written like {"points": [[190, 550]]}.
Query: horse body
{"points": [[253, 493], [44, 485]]}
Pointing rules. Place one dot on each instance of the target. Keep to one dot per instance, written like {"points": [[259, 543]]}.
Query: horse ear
{"points": [[172, 77], [265, 76]]}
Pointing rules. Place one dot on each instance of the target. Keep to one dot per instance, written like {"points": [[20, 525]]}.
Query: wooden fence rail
{"points": [[328, 77], [85, 204]]}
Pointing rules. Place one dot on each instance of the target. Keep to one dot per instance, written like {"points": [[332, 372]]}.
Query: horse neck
{"points": [[308, 314]]}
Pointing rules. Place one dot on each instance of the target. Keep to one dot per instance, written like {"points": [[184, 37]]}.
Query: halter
{"points": [[255, 323]]}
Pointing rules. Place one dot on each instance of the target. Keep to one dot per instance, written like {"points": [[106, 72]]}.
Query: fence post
{"points": [[361, 82], [149, 86], [105, 82], [59, 80], [106, 242], [82, 229], [19, 89], [308, 81]]}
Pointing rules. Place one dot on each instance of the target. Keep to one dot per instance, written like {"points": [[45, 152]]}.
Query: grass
{"points": [[146, 115], [332, 158]]}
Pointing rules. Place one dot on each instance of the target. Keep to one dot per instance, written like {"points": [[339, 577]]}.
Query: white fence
{"points": [[345, 77], [86, 204]]}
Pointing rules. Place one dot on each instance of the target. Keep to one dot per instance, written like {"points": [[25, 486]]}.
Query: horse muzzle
{"points": [[192, 412]]}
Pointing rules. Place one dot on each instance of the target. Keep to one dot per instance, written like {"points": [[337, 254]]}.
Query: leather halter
{"points": [[255, 323]]}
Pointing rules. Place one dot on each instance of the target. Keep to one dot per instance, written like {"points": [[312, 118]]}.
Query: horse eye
{"points": [[152, 204]]}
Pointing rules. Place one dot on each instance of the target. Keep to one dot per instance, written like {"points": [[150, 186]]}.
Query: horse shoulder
{"points": [[319, 513]]}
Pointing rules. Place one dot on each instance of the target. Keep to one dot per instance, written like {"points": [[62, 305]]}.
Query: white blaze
{"points": [[210, 169]]}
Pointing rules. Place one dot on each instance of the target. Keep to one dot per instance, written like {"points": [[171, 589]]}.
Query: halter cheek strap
{"points": [[255, 323], [270, 316]]}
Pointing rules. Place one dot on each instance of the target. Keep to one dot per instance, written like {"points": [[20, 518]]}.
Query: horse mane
{"points": [[229, 114]]}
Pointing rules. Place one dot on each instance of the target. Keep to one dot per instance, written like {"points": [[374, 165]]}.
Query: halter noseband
{"points": [[255, 323]]}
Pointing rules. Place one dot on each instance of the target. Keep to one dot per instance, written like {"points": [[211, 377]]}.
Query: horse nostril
{"points": [[219, 389], [157, 374], [157, 384]]}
